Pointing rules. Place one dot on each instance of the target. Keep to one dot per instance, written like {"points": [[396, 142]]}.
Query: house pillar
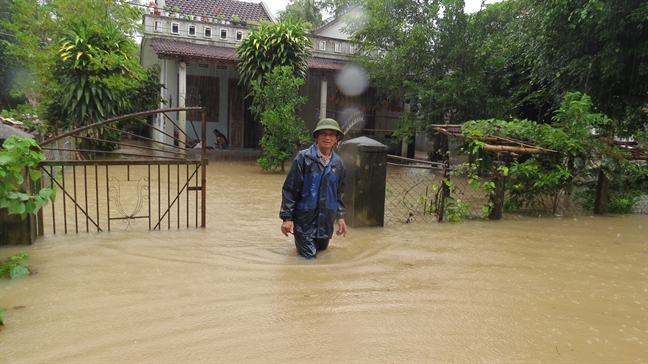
{"points": [[182, 94], [14, 230], [323, 91], [159, 124]]}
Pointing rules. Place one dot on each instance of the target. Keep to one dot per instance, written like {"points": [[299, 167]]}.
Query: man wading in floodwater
{"points": [[313, 193]]}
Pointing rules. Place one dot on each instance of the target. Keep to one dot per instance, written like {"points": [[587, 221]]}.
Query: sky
{"points": [[278, 5]]}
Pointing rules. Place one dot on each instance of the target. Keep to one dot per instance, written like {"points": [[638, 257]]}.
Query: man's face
{"points": [[327, 138]]}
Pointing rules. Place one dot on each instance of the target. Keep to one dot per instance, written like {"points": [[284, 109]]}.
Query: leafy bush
{"points": [[275, 45], [456, 210], [628, 183], [16, 155], [277, 103], [536, 184], [540, 180], [15, 266]]}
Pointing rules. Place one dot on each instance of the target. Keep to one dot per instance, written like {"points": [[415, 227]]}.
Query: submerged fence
{"points": [[94, 196], [429, 192], [422, 191], [132, 182]]}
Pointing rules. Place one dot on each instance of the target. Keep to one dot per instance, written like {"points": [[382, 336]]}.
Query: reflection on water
{"points": [[547, 290]]}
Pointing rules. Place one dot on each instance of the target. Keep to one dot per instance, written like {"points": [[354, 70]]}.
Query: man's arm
{"points": [[342, 228], [288, 227], [341, 211], [289, 193]]}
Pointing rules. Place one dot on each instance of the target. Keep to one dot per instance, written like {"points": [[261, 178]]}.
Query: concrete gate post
{"points": [[13, 229], [366, 163], [16, 231]]}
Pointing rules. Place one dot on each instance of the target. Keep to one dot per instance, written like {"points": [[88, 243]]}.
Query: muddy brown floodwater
{"points": [[518, 290]]}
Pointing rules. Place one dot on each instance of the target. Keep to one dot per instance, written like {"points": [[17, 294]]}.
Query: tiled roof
{"points": [[227, 8], [171, 47], [178, 48], [325, 64]]}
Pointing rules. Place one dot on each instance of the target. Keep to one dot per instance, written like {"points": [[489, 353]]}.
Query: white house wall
{"points": [[169, 78], [334, 33], [211, 71], [334, 28], [336, 47]]}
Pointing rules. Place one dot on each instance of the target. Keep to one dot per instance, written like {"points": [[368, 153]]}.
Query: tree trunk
{"points": [[440, 148]]}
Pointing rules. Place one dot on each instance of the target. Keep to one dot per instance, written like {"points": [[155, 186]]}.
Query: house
{"points": [[193, 43]]}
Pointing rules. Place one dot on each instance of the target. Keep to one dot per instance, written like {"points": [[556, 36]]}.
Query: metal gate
{"points": [[136, 182]]}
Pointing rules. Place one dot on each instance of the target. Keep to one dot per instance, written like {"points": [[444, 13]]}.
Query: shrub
{"points": [[16, 155]]}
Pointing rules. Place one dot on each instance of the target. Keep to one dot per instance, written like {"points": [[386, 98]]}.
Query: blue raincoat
{"points": [[312, 197]]}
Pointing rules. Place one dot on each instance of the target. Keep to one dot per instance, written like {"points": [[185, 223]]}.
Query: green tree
{"points": [[31, 27], [272, 46], [307, 11], [498, 32], [278, 101], [9, 65], [598, 47], [336, 7], [434, 53], [98, 79], [313, 11], [97, 72]]}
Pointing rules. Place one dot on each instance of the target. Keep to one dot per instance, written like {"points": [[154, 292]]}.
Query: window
{"points": [[203, 65], [219, 67], [208, 32], [223, 33], [351, 49], [158, 26], [175, 28], [239, 35], [322, 46], [338, 47], [191, 30]]}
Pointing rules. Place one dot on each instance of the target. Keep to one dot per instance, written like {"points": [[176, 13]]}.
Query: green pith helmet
{"points": [[328, 124]]}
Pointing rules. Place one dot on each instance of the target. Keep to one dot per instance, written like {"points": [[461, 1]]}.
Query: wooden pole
{"points": [[497, 197], [508, 148], [445, 192]]}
